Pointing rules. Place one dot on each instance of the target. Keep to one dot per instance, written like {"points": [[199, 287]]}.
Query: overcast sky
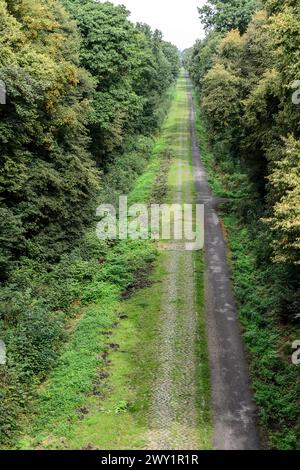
{"points": [[177, 19]]}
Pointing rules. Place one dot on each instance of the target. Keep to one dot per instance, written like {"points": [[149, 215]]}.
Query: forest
{"points": [[85, 91]]}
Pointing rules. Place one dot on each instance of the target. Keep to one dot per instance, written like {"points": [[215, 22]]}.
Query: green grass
{"points": [[204, 407], [117, 413]]}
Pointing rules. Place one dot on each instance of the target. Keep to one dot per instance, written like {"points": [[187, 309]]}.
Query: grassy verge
{"points": [[275, 379], [203, 369], [43, 304]]}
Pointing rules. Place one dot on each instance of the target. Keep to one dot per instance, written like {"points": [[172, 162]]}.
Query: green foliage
{"points": [[47, 183], [275, 378], [285, 180], [132, 68], [226, 15], [200, 58], [47, 178]]}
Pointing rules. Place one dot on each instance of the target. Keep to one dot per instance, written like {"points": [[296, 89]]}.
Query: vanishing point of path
{"points": [[175, 422]]}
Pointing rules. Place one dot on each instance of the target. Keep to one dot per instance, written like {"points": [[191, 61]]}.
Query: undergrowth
{"points": [[97, 280], [275, 379]]}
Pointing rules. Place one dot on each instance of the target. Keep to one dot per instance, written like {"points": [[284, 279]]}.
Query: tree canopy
{"points": [[47, 175], [247, 73], [224, 15], [132, 67]]}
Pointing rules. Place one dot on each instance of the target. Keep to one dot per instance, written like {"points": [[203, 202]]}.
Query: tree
{"points": [[285, 220], [47, 177], [222, 15], [201, 57], [132, 69]]}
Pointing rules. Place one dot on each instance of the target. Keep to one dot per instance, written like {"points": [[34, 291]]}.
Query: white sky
{"points": [[177, 19]]}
